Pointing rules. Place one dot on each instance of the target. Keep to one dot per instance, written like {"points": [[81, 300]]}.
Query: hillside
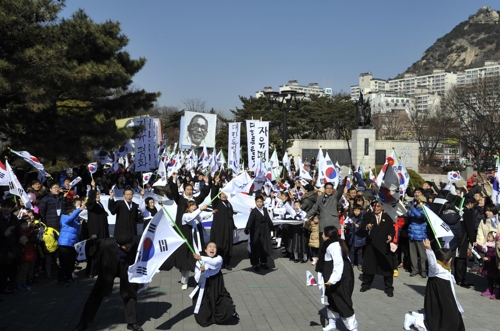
{"points": [[468, 45]]}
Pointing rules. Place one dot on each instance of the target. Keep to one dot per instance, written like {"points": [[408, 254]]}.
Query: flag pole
{"points": [[180, 232], [430, 223]]}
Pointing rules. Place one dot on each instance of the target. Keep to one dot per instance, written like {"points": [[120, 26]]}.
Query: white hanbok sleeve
{"points": [[338, 262], [191, 218], [212, 265], [431, 260]]}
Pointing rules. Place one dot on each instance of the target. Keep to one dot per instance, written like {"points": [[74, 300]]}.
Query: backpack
{"points": [[49, 236]]}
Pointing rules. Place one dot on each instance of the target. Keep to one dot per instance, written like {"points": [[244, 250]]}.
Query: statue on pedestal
{"points": [[363, 113]]}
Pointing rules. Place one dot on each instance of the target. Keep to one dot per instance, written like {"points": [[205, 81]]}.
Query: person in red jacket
{"points": [[27, 260]]}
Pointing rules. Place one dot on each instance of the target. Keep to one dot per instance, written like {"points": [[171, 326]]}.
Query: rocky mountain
{"points": [[468, 45]]}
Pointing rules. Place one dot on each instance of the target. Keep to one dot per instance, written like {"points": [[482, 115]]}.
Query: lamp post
{"points": [[284, 102]]}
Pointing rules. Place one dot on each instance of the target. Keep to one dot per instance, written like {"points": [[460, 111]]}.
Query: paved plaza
{"points": [[276, 300]]}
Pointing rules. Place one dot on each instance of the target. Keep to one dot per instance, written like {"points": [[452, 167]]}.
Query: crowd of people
{"points": [[335, 229]]}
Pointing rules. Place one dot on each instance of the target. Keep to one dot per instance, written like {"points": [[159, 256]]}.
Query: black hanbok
{"points": [[339, 294], [216, 305]]}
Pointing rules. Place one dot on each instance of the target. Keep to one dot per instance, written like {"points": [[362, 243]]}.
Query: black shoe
{"points": [[235, 315], [364, 289], [134, 327], [413, 275], [390, 294], [466, 284], [303, 261], [256, 268], [423, 275], [82, 326], [264, 266], [296, 261], [228, 267], [63, 284]]}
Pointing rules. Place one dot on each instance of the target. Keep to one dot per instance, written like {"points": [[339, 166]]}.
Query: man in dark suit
{"points": [[97, 219], [326, 205], [259, 227], [222, 228], [378, 258], [127, 216]]}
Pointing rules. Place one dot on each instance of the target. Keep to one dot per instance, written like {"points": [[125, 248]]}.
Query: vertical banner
{"points": [[152, 143], [262, 139], [252, 144], [233, 142], [142, 146]]}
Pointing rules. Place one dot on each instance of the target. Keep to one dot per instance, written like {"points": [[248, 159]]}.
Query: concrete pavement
{"points": [[271, 300]]}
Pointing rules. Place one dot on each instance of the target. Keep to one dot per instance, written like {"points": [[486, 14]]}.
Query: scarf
{"points": [[191, 198], [444, 265]]}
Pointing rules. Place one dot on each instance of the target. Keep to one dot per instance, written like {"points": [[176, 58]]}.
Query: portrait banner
{"points": [[252, 144], [233, 141], [199, 128]]}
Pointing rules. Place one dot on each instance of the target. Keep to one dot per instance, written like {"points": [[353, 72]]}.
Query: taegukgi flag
{"points": [[80, 250], [15, 187], [159, 240], [92, 167]]}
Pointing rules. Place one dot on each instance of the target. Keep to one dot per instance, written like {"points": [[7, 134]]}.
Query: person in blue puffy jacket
{"points": [[68, 237], [417, 232]]}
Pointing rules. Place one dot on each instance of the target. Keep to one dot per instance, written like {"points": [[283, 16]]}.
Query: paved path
{"points": [[274, 300]]}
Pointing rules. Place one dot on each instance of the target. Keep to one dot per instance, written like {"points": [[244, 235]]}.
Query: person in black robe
{"points": [[378, 258], [259, 227], [442, 310], [111, 259], [182, 258], [468, 237], [127, 216], [223, 226], [211, 301], [97, 220], [335, 266]]}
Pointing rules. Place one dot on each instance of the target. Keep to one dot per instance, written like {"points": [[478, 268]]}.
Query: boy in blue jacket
{"points": [[68, 237]]}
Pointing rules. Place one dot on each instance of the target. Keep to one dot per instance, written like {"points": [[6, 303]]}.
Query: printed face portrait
{"points": [[197, 129]]}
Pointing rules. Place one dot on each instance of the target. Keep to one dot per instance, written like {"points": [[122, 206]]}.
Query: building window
{"points": [[367, 146]]}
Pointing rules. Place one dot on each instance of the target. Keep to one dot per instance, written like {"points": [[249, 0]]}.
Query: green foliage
{"points": [[318, 118], [63, 83]]}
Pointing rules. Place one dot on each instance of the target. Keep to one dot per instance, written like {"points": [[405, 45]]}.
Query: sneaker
{"points": [[184, 287], [330, 327], [413, 275], [360, 268]]}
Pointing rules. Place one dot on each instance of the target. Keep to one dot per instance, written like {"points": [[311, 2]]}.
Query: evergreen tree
{"points": [[64, 82]]}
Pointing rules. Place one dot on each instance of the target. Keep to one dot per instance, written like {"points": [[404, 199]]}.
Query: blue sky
{"points": [[216, 50]]}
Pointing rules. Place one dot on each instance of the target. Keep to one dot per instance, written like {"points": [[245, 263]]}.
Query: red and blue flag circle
{"points": [[330, 173], [148, 250], [385, 195]]}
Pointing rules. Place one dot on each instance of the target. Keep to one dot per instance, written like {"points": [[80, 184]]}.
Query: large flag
{"points": [[33, 160], [159, 240], [146, 177], [329, 173], [260, 176], [286, 162], [241, 183], [15, 187], [205, 157], [390, 161], [4, 181], [388, 194], [439, 227], [303, 173], [124, 149], [275, 164], [81, 255], [404, 177], [213, 162]]}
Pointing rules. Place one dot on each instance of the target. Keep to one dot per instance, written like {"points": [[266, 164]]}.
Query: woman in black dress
{"points": [[337, 272]]}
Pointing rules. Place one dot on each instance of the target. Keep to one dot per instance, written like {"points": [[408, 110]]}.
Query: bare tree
{"points": [[392, 125], [195, 104], [476, 107]]}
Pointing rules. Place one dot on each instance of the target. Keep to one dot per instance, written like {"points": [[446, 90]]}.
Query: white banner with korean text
{"points": [[233, 142], [262, 140], [252, 144]]}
